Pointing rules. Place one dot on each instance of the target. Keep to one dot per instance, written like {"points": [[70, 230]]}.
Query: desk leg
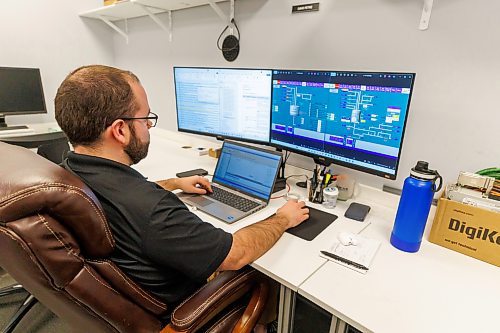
{"points": [[286, 305], [341, 326], [334, 324]]}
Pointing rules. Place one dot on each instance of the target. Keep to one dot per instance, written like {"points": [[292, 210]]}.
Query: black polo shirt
{"points": [[160, 244]]}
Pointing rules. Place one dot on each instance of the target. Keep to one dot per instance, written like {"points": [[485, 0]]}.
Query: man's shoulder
{"points": [[116, 183]]}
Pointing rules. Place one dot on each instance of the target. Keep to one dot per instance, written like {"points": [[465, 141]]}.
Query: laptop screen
{"points": [[247, 169]]}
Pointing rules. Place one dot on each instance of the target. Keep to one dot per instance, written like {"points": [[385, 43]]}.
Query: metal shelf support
{"points": [[157, 20], [228, 19], [426, 15], [114, 27]]}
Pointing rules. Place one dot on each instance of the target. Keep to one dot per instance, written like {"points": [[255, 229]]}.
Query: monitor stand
{"points": [[4, 126], [280, 183]]}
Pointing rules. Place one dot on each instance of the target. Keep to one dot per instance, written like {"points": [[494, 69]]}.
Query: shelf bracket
{"points": [[226, 19], [426, 15], [114, 27], [157, 20]]}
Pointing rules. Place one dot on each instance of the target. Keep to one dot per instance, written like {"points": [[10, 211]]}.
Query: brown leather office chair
{"points": [[54, 240]]}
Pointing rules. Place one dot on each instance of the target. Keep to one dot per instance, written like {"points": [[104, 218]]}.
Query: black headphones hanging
{"points": [[231, 45]]}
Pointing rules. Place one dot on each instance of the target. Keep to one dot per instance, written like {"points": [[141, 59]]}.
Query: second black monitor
{"points": [[224, 102], [355, 119]]}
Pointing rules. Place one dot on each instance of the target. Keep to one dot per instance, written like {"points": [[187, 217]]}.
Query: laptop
{"points": [[242, 184]]}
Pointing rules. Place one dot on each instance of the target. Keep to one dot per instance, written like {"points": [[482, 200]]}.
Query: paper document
{"points": [[357, 257]]}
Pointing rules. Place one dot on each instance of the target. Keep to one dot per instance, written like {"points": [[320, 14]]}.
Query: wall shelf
{"points": [[124, 10]]}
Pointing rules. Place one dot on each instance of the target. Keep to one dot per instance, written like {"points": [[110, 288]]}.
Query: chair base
{"points": [[28, 303], [10, 290]]}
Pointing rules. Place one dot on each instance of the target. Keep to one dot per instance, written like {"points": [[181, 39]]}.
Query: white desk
{"points": [[34, 136], [32, 129], [433, 290]]}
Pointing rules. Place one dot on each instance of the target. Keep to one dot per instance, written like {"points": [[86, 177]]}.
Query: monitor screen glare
{"points": [[355, 119], [224, 102]]}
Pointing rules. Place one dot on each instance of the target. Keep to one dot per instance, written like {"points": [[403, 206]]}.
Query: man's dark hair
{"points": [[90, 98]]}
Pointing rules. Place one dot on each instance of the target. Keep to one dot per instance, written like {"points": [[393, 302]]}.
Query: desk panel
{"points": [[433, 290]]}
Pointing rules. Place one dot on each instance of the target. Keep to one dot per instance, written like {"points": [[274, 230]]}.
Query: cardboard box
{"points": [[466, 229]]}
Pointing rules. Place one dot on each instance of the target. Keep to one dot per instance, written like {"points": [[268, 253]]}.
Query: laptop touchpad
{"points": [[201, 201]]}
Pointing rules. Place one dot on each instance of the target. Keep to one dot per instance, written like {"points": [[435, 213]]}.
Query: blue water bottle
{"points": [[414, 206]]}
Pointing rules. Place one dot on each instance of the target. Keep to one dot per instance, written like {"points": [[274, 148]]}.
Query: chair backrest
{"points": [[54, 240], [54, 151]]}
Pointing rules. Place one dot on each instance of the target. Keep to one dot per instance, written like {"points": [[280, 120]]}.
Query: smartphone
{"points": [[195, 172], [357, 211]]}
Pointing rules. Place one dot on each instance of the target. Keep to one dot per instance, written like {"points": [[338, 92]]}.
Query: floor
{"points": [[38, 320]]}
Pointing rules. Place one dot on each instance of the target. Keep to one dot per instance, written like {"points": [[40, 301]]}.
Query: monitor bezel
{"points": [[218, 136], [4, 113], [318, 157]]}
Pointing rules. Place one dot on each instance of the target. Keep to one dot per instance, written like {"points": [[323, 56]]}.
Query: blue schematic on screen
{"points": [[354, 118]]}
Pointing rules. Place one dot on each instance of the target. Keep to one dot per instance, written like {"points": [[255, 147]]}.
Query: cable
{"points": [[490, 172], [302, 175], [287, 155], [283, 195], [237, 38]]}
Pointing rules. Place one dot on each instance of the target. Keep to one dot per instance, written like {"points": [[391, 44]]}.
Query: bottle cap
{"points": [[422, 171]]}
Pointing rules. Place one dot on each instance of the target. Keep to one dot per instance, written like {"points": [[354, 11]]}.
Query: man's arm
{"points": [[253, 241]]}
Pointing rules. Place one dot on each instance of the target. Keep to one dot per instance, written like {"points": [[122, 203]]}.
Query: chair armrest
{"points": [[216, 296]]}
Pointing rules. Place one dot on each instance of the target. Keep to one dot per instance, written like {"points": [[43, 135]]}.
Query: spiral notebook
{"points": [[356, 257]]}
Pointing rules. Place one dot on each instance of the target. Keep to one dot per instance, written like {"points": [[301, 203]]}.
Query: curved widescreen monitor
{"points": [[224, 102], [354, 119]]}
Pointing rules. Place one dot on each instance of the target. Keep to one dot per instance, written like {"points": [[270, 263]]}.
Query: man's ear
{"points": [[119, 131]]}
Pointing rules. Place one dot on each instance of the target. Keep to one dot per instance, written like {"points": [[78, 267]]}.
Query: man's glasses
{"points": [[152, 119]]}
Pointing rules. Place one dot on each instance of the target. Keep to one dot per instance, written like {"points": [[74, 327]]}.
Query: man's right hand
{"points": [[294, 212], [251, 242]]}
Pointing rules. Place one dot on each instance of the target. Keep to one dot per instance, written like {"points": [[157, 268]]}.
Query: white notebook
{"points": [[357, 257]]}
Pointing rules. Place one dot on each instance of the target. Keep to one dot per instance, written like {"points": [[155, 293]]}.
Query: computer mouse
{"points": [[347, 238]]}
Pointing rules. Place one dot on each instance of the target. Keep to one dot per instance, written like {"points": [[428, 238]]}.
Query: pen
{"points": [[344, 260]]}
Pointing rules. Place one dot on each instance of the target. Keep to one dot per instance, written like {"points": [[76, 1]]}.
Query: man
{"points": [[160, 244]]}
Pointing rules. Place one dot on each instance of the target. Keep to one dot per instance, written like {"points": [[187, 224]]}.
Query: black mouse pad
{"points": [[317, 222]]}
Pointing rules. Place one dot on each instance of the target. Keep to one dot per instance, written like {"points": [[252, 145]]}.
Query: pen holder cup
{"points": [[314, 192]]}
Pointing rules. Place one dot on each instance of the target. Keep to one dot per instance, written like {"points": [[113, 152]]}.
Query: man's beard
{"points": [[136, 149]]}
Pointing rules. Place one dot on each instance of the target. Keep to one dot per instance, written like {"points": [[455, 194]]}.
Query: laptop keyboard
{"points": [[232, 199]]}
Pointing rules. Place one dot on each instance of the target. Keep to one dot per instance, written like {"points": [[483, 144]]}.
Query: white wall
{"points": [[50, 35], [453, 111]]}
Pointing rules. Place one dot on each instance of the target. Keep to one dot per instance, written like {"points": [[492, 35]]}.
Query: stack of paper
{"points": [[358, 257]]}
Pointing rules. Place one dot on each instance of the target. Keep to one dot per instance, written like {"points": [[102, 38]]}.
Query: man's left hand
{"points": [[194, 184]]}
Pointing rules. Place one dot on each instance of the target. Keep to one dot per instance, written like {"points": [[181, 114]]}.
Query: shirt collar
{"points": [[82, 163]]}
